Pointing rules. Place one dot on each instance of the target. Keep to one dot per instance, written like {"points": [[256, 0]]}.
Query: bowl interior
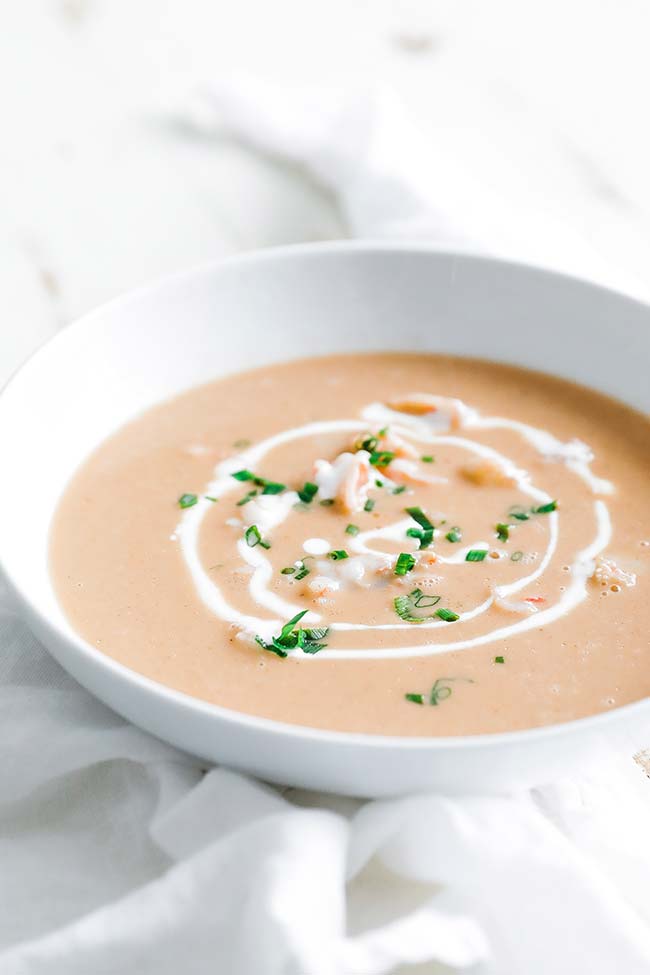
{"points": [[275, 306]]}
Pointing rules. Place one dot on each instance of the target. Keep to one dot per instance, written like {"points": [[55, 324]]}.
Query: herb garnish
{"points": [[288, 571], [381, 458], [269, 487], [447, 615], [352, 530], [439, 692], [427, 459], [306, 494], [426, 535], [516, 556], [503, 531], [369, 505], [337, 554], [405, 606], [499, 660], [405, 562], [208, 497], [247, 497], [454, 534], [545, 509], [476, 555], [253, 538], [187, 500], [326, 503], [302, 571], [291, 638]]}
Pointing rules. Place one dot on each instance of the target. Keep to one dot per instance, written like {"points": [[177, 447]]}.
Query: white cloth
{"points": [[119, 854]]}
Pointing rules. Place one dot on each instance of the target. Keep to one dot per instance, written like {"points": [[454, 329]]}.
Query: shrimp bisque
{"points": [[393, 544]]}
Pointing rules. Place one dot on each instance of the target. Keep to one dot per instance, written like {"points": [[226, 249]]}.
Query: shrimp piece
{"points": [[322, 586], [487, 473], [346, 480], [444, 411]]}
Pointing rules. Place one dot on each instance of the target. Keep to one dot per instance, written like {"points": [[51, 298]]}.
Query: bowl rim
{"points": [[269, 726]]}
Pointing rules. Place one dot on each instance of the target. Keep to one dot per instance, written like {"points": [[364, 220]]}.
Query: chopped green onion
{"points": [[476, 555], [352, 530], [439, 692], [379, 484], [499, 660], [381, 458], [503, 531], [545, 509], [208, 497], [308, 491], [405, 562], [516, 556], [454, 534], [519, 512], [327, 503], [337, 554], [247, 497], [369, 505], [289, 571], [291, 638], [272, 487], [400, 489], [405, 605], [415, 698], [427, 459], [417, 514], [253, 538], [302, 572], [187, 500], [447, 615], [243, 476], [368, 443]]}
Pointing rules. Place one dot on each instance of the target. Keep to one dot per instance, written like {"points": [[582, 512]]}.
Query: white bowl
{"points": [[268, 307]]}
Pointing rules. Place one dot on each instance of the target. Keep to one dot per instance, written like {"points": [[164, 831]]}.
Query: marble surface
{"points": [[102, 188]]}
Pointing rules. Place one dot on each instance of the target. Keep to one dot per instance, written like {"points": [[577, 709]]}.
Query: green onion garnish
{"points": [[447, 615], [208, 497], [291, 638], [272, 487], [247, 497], [381, 458], [288, 571], [308, 491], [405, 562], [545, 509], [439, 691], [302, 571], [499, 660], [369, 505], [427, 459], [454, 534], [327, 503], [516, 556], [503, 531], [253, 538], [426, 535], [352, 530], [400, 489], [405, 606], [476, 555], [415, 698], [187, 500], [337, 554], [243, 476]]}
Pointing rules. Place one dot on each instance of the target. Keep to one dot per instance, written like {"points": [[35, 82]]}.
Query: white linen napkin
{"points": [[120, 854]]}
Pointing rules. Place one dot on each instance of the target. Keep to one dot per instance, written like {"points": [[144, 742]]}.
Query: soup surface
{"points": [[395, 544]]}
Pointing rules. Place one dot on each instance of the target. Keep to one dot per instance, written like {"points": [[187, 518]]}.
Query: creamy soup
{"points": [[397, 544]]}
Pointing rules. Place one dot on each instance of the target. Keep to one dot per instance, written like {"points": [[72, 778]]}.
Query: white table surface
{"points": [[101, 189]]}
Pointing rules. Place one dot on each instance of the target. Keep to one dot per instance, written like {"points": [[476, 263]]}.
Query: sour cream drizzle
{"points": [[270, 511]]}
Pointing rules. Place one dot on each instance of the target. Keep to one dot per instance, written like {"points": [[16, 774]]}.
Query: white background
{"points": [[103, 188]]}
